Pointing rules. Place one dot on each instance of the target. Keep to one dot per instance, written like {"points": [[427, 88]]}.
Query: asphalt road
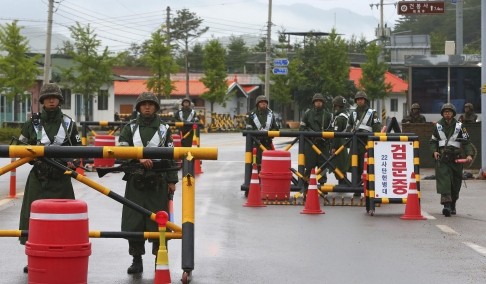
{"points": [[277, 244]]}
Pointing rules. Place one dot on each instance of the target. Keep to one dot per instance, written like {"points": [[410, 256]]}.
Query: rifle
{"points": [[53, 161], [132, 168]]}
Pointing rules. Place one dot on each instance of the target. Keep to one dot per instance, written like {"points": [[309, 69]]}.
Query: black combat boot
{"points": [[453, 208], [447, 209], [137, 265]]}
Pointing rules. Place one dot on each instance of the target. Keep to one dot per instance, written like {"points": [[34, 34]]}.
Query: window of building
{"points": [[394, 105], [429, 87], [102, 99], [66, 94]]}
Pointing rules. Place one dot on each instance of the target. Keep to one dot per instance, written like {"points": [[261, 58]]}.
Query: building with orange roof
{"points": [[396, 101], [242, 90]]}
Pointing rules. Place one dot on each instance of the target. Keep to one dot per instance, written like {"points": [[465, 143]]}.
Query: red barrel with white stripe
{"points": [[58, 246], [275, 175], [104, 140]]}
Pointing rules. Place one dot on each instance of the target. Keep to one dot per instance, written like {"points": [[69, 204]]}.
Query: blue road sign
{"points": [[281, 62], [280, 71]]}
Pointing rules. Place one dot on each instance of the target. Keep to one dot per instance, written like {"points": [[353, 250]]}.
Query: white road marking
{"points": [[5, 201], [477, 248], [447, 229], [428, 216]]}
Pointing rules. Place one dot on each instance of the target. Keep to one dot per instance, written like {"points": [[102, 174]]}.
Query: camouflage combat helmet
{"points": [[360, 94], [186, 99], [448, 106], [339, 101], [318, 97], [260, 99], [469, 105], [147, 97], [415, 106], [50, 90]]}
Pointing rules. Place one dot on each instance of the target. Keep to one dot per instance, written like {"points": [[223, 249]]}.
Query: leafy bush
{"points": [[7, 133]]}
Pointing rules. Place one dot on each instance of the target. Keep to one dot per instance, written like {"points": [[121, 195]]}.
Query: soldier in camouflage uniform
{"points": [[316, 119], [339, 124], [187, 114], [49, 128], [363, 119], [149, 189], [414, 116], [469, 116], [263, 119], [450, 141]]}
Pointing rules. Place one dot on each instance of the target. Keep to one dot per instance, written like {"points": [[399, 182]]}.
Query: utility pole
{"points": [[459, 27], [268, 54], [47, 57], [382, 34], [483, 93], [167, 23]]}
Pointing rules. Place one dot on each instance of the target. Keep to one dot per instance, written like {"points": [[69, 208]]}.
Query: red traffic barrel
{"points": [[275, 175], [176, 138], [104, 140], [58, 246]]}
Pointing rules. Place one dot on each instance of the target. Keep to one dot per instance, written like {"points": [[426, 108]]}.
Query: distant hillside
{"points": [[37, 39]]}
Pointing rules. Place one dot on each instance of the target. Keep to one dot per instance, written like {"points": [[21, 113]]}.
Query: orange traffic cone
{"points": [[162, 272], [254, 198], [80, 169], [312, 205], [412, 209]]}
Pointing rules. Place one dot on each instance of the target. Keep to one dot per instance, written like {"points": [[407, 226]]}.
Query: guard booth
{"points": [[438, 79]]}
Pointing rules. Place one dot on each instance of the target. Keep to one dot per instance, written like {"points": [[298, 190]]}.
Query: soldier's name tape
{"points": [[59, 217]]}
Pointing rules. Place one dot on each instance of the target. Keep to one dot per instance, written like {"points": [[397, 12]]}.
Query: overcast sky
{"points": [[118, 23]]}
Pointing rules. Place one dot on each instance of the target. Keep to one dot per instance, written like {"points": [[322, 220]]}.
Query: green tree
{"points": [[372, 80], [18, 72], [90, 70], [214, 73], [334, 66], [238, 54], [322, 66], [437, 43], [356, 45], [159, 58], [261, 46], [132, 56], [196, 56], [186, 27], [303, 72]]}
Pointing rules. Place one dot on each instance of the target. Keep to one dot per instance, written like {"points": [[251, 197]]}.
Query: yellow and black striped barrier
{"points": [[355, 185], [104, 234], [27, 152], [23, 151]]}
